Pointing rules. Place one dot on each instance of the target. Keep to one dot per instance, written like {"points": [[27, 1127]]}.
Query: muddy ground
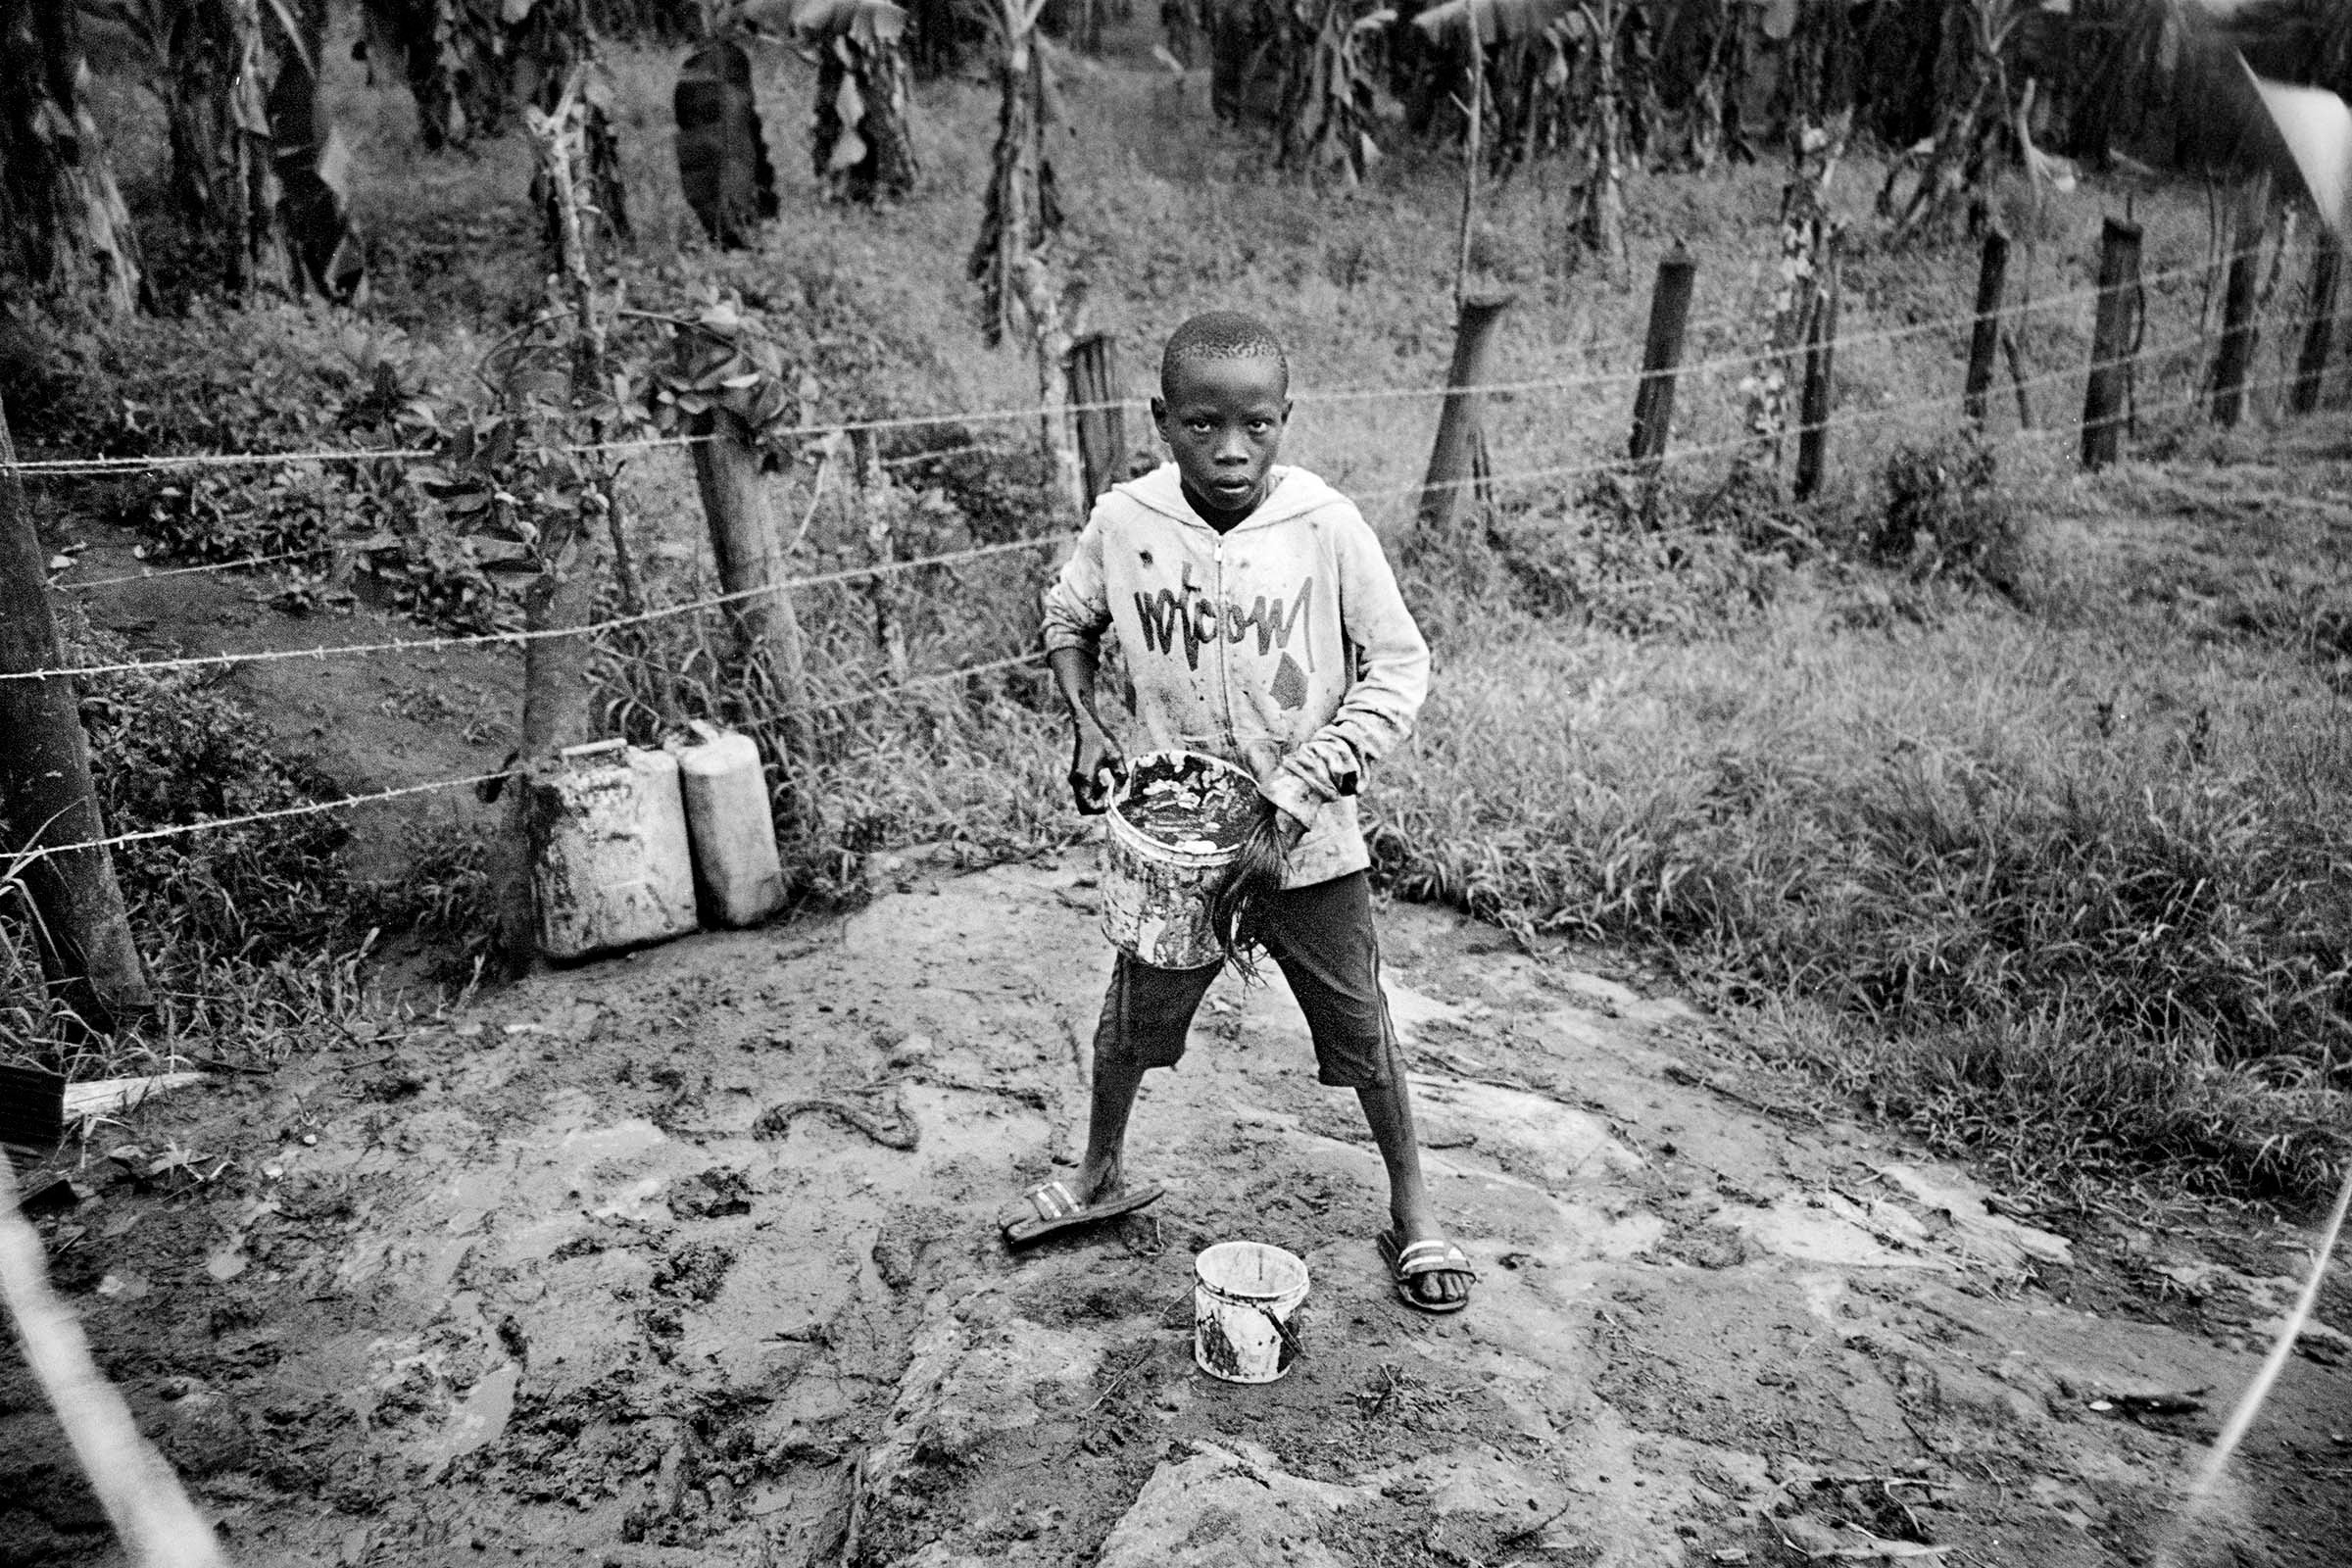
{"points": [[687, 1257]]}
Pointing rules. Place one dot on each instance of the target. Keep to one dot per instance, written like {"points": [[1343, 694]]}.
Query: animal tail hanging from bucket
{"points": [[1257, 871]]}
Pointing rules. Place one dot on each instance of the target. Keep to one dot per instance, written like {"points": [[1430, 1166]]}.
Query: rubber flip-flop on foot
{"points": [[1407, 1264], [1055, 1210]]}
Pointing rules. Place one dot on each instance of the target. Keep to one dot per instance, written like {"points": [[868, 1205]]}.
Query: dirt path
{"points": [[556, 1283], [367, 723]]}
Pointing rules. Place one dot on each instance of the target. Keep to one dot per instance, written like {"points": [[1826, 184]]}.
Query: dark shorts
{"points": [[1322, 937]]}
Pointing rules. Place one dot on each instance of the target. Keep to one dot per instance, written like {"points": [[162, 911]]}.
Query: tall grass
{"points": [[254, 937], [2055, 876]]}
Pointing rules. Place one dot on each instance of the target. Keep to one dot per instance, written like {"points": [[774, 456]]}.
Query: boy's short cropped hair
{"points": [[1221, 335]]}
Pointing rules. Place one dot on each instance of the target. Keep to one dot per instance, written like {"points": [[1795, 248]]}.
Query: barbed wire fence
{"points": [[2116, 348]]}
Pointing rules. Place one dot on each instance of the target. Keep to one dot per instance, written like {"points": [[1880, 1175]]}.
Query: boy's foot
{"points": [[1051, 1208], [1432, 1275]]}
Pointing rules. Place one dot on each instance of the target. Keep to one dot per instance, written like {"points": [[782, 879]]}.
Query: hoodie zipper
{"points": [[1224, 663]]}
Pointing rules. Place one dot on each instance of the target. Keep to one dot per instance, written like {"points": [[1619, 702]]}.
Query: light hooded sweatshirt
{"points": [[1281, 645]]}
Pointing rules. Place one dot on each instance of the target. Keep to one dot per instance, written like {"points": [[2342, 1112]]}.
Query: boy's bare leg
{"points": [[1102, 1174], [1389, 1111]]}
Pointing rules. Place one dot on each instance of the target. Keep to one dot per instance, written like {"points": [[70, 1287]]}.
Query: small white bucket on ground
{"points": [[1154, 894], [1246, 1300]]}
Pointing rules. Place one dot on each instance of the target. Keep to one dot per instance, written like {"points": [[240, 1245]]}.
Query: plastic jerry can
{"points": [[736, 870], [609, 860]]}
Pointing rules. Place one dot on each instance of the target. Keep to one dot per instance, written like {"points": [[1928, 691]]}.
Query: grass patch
{"points": [[248, 932], [2057, 881]]}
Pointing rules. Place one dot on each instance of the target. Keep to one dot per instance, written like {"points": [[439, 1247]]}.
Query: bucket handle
{"points": [[1282, 1327]]}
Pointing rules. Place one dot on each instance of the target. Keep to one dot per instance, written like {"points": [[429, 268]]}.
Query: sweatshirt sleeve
{"points": [[1077, 606], [1377, 714]]}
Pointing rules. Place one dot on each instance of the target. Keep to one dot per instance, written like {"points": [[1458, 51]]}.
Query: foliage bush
{"points": [[444, 895], [1676, 565], [245, 930], [1946, 515], [236, 514]]}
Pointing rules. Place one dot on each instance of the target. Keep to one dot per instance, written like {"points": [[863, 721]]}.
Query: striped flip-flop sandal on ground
{"points": [[1049, 1208], [1407, 1264]]}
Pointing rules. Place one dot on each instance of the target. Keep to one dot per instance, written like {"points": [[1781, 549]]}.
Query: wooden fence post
{"points": [[882, 590], [558, 701], [2111, 343], [2319, 331], [2237, 352], [1094, 376], [1984, 341], [1813, 404], [1662, 354], [743, 539], [80, 930], [1453, 453]]}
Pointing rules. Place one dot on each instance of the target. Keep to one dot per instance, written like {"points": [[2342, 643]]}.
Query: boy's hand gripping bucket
{"points": [[1160, 868], [1246, 1300]]}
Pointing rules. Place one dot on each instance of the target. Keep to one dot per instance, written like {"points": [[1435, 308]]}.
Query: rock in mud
{"points": [[1228, 1509], [204, 1434], [694, 1272], [975, 1371], [720, 1193]]}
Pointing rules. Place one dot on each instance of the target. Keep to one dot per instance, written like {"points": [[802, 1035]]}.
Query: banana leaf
{"points": [[1498, 22], [723, 168]]}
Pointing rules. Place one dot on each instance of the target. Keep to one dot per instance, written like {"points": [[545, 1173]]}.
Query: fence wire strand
{"points": [[67, 467], [2197, 400]]}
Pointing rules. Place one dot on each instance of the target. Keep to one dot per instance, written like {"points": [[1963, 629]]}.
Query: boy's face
{"points": [[1223, 419]]}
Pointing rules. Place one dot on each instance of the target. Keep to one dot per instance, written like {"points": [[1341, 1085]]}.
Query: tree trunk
{"points": [[1019, 208], [558, 706], [1804, 231], [325, 245], [1474, 111], [84, 936], [885, 591], [459, 66], [1041, 302], [556, 70], [860, 140], [224, 61], [1600, 223], [750, 557], [63, 224]]}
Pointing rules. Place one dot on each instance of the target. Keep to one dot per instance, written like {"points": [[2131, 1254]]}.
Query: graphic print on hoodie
{"points": [[1285, 637]]}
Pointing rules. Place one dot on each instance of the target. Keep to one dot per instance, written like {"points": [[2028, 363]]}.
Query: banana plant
{"points": [[257, 169], [1952, 172], [1021, 209], [723, 165], [860, 139], [64, 227], [1331, 84]]}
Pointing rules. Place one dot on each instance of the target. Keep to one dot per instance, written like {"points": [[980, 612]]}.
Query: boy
{"points": [[1261, 624]]}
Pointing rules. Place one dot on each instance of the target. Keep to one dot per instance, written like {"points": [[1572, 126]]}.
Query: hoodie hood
{"points": [[1290, 493]]}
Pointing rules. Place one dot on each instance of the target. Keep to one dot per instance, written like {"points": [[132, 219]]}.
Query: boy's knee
{"points": [[1146, 1015], [1356, 1049], [1136, 1051]]}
